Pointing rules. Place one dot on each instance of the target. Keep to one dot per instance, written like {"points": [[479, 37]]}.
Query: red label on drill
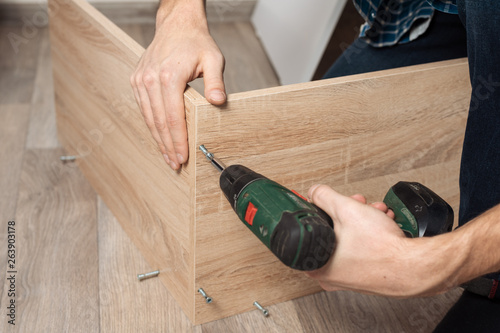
{"points": [[250, 213], [297, 194]]}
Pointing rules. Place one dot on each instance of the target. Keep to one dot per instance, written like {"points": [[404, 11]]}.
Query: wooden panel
{"points": [[99, 121], [126, 304], [357, 134]]}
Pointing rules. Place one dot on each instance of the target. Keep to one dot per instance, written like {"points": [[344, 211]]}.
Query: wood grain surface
{"points": [[359, 133], [127, 304], [56, 239], [99, 121], [18, 63], [14, 120], [49, 206], [42, 131]]}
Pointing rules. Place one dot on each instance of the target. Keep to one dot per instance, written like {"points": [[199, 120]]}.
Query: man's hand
{"points": [[371, 255], [182, 50]]}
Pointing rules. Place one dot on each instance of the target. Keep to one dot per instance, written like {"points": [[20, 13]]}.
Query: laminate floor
{"points": [[75, 268]]}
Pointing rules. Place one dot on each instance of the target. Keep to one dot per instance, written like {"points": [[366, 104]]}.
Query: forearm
{"points": [[451, 259]]}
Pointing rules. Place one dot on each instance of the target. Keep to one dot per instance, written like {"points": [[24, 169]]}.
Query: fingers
{"points": [[159, 90], [365, 239], [147, 113], [383, 207], [170, 119], [380, 206], [215, 91], [142, 98], [359, 197], [160, 95], [324, 195]]}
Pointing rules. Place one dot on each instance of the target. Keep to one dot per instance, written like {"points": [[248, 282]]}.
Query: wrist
{"points": [[438, 263], [181, 13]]}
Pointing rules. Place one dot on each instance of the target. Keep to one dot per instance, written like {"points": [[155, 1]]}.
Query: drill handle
{"points": [[418, 210], [303, 240]]}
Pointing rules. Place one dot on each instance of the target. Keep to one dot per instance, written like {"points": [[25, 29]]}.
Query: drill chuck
{"points": [[234, 179]]}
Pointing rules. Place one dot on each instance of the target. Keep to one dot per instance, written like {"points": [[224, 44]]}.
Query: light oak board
{"points": [[357, 133]]}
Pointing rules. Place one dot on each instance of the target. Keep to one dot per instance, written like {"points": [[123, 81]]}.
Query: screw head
{"points": [[208, 299], [265, 312]]}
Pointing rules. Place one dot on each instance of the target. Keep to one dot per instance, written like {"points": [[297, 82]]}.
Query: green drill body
{"points": [[270, 200], [264, 204]]}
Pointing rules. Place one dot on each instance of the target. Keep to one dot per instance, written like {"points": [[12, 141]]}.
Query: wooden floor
{"points": [[76, 268]]}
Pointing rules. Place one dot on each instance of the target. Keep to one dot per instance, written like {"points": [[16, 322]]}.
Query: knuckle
{"points": [[138, 82], [149, 79], [173, 121], [216, 58], [161, 126], [162, 147], [166, 76]]}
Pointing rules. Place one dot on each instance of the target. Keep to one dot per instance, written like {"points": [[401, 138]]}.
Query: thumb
{"points": [[215, 91], [327, 199]]}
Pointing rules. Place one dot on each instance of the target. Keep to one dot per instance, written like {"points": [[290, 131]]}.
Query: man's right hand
{"points": [[181, 51]]}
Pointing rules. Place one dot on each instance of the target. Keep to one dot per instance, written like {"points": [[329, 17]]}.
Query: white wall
{"points": [[295, 33]]}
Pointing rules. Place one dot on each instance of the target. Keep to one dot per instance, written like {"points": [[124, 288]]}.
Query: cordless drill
{"points": [[300, 233]]}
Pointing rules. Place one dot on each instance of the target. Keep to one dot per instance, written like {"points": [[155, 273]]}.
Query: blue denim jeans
{"points": [[480, 168], [475, 33], [444, 39]]}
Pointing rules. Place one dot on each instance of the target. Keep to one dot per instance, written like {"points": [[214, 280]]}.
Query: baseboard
{"points": [[230, 10], [131, 12]]}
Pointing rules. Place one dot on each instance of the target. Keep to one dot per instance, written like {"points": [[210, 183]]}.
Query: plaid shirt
{"points": [[389, 22]]}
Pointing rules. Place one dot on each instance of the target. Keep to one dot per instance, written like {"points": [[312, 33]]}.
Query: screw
{"points": [[204, 150], [69, 158], [208, 154], [258, 306], [215, 162], [147, 275], [207, 298]]}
